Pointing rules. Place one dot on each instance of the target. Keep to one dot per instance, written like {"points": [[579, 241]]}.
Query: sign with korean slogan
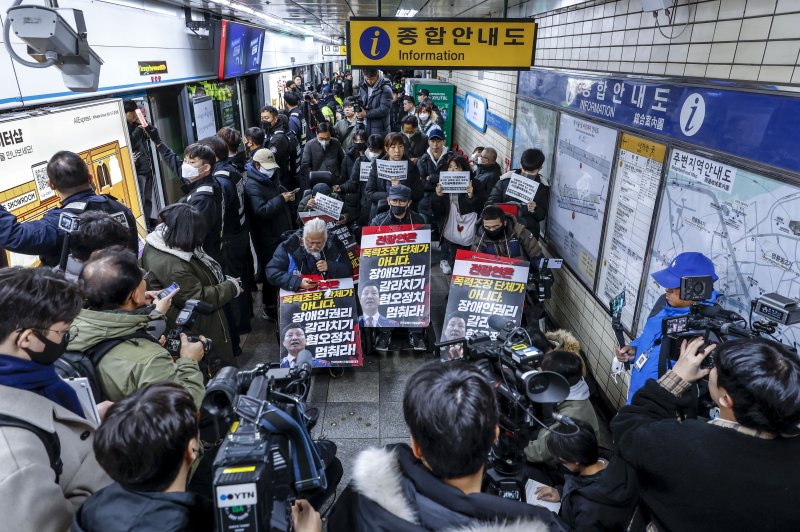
{"points": [[320, 322], [364, 170], [522, 188], [482, 286], [464, 43], [328, 205], [392, 169], [394, 286], [710, 173], [454, 182]]}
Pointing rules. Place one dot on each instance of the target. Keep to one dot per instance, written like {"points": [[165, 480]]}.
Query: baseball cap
{"points": [[688, 263], [265, 158], [435, 132], [399, 192]]}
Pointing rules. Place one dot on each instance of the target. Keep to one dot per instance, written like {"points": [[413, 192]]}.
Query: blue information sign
{"points": [[756, 126]]}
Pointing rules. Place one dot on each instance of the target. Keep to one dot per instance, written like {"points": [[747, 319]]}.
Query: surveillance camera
{"points": [[50, 38]]}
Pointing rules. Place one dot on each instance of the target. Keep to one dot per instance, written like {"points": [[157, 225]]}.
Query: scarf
{"points": [[43, 380]]}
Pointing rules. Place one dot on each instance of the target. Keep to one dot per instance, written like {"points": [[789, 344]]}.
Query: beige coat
{"points": [[30, 500]]}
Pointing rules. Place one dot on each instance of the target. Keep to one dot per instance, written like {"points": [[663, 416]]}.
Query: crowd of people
{"points": [[155, 324]]}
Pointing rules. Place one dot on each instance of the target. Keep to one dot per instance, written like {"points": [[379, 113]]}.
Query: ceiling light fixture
{"points": [[406, 12]]}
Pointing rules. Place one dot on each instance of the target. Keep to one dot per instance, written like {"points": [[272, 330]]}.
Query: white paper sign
{"points": [[706, 171], [366, 168], [522, 188], [454, 182], [327, 205], [392, 169]]}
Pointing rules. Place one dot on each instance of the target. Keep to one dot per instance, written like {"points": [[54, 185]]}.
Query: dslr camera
{"points": [[267, 458], [184, 323]]}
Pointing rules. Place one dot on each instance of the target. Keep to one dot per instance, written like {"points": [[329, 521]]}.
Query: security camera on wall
{"points": [[52, 41]]}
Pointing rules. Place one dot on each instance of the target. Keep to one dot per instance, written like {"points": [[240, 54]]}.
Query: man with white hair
{"points": [[308, 252]]}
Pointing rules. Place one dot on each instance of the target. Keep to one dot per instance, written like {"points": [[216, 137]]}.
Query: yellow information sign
{"points": [[505, 44], [646, 148]]}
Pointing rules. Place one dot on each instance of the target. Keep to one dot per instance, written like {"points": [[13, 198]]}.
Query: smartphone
{"points": [[167, 291], [295, 191], [142, 119]]}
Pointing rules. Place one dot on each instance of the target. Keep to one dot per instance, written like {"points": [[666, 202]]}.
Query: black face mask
{"points": [[52, 350], [495, 233], [360, 146], [398, 211]]}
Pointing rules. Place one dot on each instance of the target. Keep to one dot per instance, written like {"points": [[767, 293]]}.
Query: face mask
{"points": [[424, 117], [398, 211], [409, 135], [360, 146], [494, 233], [188, 171], [52, 350], [324, 143], [371, 154]]}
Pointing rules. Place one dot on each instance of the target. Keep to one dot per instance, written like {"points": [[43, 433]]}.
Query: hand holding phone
{"points": [[142, 119], [163, 300], [168, 291]]}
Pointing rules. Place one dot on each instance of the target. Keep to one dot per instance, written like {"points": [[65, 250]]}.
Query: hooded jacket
{"points": [[378, 105], [516, 242], [270, 216], [30, 499], [531, 220], [198, 280], [116, 508], [392, 491], [136, 362]]}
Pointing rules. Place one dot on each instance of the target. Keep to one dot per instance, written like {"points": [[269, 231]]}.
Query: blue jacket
{"points": [[42, 237], [646, 343], [291, 260]]}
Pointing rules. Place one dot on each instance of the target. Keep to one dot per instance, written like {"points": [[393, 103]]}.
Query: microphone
{"points": [[715, 311], [565, 420], [498, 323], [304, 360], [318, 256]]}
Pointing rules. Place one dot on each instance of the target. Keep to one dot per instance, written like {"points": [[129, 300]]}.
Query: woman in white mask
{"points": [[427, 117]]}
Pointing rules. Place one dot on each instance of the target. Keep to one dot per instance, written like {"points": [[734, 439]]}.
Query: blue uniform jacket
{"points": [[646, 343]]}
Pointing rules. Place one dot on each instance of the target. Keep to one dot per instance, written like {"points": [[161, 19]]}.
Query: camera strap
{"points": [[308, 467]]}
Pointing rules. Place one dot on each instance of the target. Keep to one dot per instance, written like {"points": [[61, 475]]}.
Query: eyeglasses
{"points": [[69, 334]]}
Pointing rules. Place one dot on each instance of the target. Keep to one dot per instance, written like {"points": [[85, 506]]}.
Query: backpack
{"points": [[50, 440], [295, 153], [77, 364]]}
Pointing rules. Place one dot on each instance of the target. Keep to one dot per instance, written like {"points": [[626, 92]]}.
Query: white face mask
{"points": [[424, 117], [188, 171], [324, 143], [371, 154]]}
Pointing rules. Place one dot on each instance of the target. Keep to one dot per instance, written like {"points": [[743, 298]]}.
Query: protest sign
{"points": [[342, 232], [482, 286], [522, 188], [365, 169], [392, 169], [328, 205], [454, 182], [322, 322], [394, 288]]}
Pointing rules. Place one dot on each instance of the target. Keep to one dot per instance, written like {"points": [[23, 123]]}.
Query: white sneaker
{"points": [[445, 266]]}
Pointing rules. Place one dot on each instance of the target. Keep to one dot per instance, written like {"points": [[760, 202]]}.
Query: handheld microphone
{"points": [[304, 360], [318, 256]]}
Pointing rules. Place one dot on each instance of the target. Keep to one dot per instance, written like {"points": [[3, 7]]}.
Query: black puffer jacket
{"points": [[378, 189], [269, 215], [291, 255], [429, 169], [115, 508], [392, 491], [530, 220], [355, 190], [377, 105], [488, 174]]}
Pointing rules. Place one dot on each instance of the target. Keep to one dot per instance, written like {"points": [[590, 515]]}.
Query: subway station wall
{"points": [[123, 34]]}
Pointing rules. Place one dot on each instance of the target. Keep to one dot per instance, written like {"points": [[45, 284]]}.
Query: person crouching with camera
{"points": [[174, 253], [644, 351], [735, 472], [149, 493]]}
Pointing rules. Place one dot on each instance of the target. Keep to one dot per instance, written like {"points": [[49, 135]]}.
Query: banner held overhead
{"points": [[505, 44]]}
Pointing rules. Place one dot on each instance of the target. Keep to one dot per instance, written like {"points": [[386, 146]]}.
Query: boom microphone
{"points": [[304, 360], [499, 323]]}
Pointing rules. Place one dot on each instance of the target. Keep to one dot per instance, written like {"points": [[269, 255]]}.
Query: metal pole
{"points": [[505, 8], [379, 8]]}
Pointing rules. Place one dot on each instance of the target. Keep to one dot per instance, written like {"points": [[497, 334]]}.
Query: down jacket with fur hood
{"points": [[392, 491]]}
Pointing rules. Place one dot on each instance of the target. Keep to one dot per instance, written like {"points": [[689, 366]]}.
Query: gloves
{"points": [[152, 133]]}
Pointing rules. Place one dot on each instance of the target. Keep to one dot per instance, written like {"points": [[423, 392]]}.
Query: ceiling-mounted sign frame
{"points": [[452, 44], [476, 111], [334, 50]]}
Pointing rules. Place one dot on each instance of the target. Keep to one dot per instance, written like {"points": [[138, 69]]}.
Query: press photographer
{"points": [[150, 488], [730, 473]]}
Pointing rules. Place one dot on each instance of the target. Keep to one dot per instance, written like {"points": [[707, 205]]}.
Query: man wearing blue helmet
{"points": [[643, 352]]}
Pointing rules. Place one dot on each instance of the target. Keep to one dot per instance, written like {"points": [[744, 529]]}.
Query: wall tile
{"points": [[675, 69], [755, 29], [759, 7], [781, 53], [750, 52], [796, 75], [617, 38], [659, 53], [678, 52], [718, 71], [785, 6], [631, 37], [731, 9], [778, 74], [727, 30], [785, 26], [722, 52], [643, 53], [698, 53], [633, 21], [695, 71], [703, 32], [707, 11], [646, 36], [745, 72]]}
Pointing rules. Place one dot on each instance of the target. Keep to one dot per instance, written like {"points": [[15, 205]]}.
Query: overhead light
{"points": [[406, 12]]}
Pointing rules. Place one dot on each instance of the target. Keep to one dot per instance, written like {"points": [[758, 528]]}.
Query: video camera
{"points": [[525, 399], [184, 322], [541, 279], [267, 458]]}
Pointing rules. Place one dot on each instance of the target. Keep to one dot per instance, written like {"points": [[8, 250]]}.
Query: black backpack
{"points": [[76, 364], [295, 153], [50, 440]]}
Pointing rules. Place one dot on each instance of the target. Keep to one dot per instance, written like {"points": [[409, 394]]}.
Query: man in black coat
{"points": [[375, 95], [435, 483], [270, 215], [533, 213], [733, 472], [321, 153], [488, 170], [309, 251], [416, 140], [275, 138]]}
